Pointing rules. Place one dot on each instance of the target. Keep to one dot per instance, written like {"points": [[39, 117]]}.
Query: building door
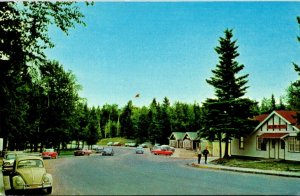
{"points": [[272, 148]]}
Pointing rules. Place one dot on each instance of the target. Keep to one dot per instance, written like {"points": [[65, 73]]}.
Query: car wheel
{"points": [[49, 190]]}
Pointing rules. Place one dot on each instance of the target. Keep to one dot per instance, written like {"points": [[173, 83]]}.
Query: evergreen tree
{"points": [[229, 107], [196, 124], [126, 121], [281, 105], [293, 91], [93, 129], [165, 121], [154, 126], [141, 124], [268, 105], [273, 103]]}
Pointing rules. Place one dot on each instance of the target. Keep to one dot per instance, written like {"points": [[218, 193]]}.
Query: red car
{"points": [[49, 153], [160, 151]]}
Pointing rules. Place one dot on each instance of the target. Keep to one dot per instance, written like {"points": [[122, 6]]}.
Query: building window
{"points": [[261, 144], [294, 144], [241, 143], [273, 144]]}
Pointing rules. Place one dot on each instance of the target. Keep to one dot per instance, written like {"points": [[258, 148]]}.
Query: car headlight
{"points": [[46, 178], [19, 181]]}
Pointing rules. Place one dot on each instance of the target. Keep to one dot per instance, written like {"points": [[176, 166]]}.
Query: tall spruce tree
{"points": [[293, 91], [230, 111]]}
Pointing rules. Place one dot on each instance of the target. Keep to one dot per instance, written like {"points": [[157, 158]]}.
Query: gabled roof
{"points": [[261, 117], [192, 135], [288, 116], [177, 135]]}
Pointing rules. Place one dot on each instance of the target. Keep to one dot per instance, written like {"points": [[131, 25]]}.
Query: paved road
{"points": [[129, 174]]}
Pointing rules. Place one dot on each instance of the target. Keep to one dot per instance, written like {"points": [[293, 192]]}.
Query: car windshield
{"points": [[10, 156], [49, 150], [30, 163]]}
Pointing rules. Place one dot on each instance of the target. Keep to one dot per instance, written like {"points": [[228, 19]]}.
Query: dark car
{"points": [[99, 149], [139, 150], [108, 151]]}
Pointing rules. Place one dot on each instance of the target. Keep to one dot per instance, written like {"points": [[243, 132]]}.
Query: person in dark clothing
{"points": [[199, 154], [205, 153]]}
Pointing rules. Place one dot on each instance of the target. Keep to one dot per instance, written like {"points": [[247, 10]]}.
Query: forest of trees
{"points": [[40, 104]]}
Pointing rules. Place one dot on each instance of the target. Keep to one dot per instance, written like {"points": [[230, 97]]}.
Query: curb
{"points": [[247, 170]]}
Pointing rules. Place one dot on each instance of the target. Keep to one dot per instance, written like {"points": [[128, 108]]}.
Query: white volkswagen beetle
{"points": [[28, 173]]}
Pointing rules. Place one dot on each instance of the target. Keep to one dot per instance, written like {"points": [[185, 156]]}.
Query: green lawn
{"points": [[104, 141], [263, 164], [66, 152]]}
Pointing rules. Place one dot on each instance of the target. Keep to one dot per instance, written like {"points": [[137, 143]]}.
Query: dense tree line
{"points": [[154, 123]]}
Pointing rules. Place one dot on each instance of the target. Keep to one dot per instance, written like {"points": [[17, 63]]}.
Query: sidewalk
{"points": [[188, 154], [2, 192]]}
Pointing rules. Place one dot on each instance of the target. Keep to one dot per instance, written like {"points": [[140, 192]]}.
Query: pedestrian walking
{"points": [[199, 154], [205, 153]]}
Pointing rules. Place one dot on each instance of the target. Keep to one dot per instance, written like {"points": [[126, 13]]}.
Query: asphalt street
{"points": [[127, 173]]}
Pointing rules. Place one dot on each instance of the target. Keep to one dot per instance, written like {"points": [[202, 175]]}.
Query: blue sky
{"points": [[166, 49]]}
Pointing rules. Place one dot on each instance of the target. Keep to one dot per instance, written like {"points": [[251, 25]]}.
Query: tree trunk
{"points": [[226, 155], [78, 143], [220, 147]]}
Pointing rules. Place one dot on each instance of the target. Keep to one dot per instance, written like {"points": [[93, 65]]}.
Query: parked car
{"points": [[10, 157], [8, 160], [28, 173], [162, 151], [131, 144], [99, 149], [117, 144], [139, 150], [49, 153], [82, 152], [144, 145], [108, 151], [167, 147]]}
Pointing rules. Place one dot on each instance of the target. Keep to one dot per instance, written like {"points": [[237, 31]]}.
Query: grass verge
{"points": [[264, 164]]}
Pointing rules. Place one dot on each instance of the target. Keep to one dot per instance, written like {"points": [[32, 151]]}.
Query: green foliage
{"points": [[293, 91], [225, 80], [126, 121], [228, 115], [23, 37], [269, 105], [93, 128], [154, 123], [141, 122]]}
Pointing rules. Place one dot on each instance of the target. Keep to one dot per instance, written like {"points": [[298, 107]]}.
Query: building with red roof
{"points": [[273, 138]]}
